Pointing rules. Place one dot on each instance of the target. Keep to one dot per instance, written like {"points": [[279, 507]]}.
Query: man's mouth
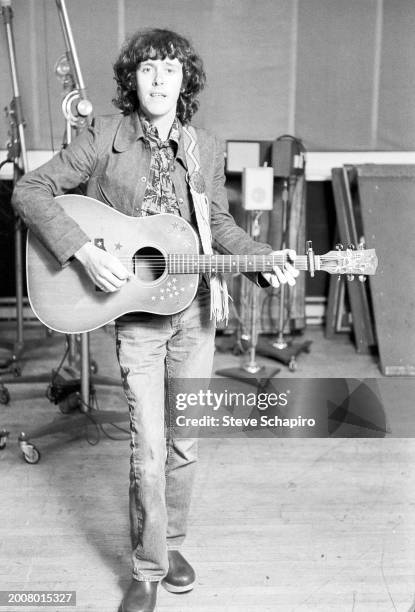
{"points": [[157, 94]]}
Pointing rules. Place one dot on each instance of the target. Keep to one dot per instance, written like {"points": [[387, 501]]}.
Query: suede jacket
{"points": [[113, 159]]}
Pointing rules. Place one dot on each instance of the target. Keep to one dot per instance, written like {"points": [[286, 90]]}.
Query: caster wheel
{"points": [[4, 396], [292, 366], [31, 454], [3, 438]]}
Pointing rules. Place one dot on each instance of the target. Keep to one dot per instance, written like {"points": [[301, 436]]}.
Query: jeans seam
{"points": [[169, 427], [137, 505]]}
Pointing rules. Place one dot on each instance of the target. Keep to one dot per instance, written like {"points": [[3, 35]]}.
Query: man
{"points": [[139, 162]]}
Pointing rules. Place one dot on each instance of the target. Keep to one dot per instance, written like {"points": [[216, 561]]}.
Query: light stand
{"points": [[251, 368], [283, 349], [255, 200], [17, 155], [280, 343]]}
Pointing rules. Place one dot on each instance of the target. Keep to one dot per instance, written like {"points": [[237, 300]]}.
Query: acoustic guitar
{"points": [[162, 252]]}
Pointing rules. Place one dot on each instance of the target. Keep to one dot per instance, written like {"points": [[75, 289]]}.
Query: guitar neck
{"points": [[194, 263]]}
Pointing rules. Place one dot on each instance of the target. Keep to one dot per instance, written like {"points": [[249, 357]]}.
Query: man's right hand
{"points": [[105, 270]]}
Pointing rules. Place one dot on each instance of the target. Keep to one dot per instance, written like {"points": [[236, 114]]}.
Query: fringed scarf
{"points": [[219, 307]]}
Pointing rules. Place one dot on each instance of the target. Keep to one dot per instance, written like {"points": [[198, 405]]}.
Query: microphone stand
{"points": [[76, 109], [76, 106], [17, 155]]}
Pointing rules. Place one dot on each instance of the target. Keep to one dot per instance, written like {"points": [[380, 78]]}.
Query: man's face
{"points": [[158, 87]]}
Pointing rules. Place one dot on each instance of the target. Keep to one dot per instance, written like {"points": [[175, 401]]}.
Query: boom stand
{"points": [[77, 109], [251, 369], [282, 349]]}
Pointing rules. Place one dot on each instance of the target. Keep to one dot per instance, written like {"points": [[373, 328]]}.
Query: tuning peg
{"points": [[350, 277], [351, 247], [339, 246], [362, 278]]}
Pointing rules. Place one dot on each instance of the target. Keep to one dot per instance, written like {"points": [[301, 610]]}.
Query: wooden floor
{"points": [[277, 524]]}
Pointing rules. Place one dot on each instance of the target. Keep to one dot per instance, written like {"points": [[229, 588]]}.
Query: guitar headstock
{"points": [[349, 261]]}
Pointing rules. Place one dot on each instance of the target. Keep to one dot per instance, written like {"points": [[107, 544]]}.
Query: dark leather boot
{"points": [[140, 597], [181, 575]]}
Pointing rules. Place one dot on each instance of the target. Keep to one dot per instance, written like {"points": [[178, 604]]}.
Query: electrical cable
{"points": [[99, 428]]}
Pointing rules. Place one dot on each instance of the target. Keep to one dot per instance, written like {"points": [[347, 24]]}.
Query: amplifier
{"points": [[287, 157]]}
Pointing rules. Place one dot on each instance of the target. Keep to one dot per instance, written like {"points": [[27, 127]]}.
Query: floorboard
{"points": [[277, 524]]}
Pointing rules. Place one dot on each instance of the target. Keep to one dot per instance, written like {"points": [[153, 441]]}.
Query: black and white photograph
{"points": [[207, 298]]}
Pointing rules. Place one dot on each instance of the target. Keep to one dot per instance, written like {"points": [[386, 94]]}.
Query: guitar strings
{"points": [[186, 260]]}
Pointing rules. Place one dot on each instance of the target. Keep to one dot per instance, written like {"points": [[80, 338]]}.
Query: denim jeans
{"points": [[154, 353]]}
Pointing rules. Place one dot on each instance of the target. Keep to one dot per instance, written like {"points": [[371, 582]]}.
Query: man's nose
{"points": [[158, 77]]}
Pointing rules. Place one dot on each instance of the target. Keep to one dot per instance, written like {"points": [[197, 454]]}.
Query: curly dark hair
{"points": [[158, 43]]}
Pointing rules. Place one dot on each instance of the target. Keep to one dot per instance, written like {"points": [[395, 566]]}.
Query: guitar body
{"points": [[65, 299]]}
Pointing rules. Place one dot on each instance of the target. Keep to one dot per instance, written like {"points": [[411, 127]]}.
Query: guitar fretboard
{"points": [[194, 263]]}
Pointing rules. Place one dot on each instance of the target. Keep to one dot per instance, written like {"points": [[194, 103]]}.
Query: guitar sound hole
{"points": [[149, 264]]}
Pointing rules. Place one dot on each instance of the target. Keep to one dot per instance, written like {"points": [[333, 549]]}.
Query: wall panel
{"points": [[397, 80], [335, 73], [338, 73], [245, 46]]}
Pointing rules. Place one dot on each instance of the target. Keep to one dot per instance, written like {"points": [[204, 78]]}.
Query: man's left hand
{"points": [[285, 273]]}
